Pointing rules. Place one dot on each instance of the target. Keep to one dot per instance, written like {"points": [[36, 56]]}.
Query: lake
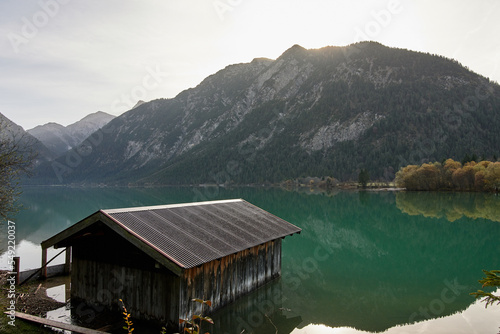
{"points": [[393, 262]]}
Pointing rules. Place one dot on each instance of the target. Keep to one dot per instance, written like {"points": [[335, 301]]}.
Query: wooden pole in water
{"points": [[67, 264], [43, 269], [44, 263], [17, 267]]}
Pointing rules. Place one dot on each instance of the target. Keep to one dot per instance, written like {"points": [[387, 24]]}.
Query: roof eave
{"points": [[72, 230], [117, 227]]}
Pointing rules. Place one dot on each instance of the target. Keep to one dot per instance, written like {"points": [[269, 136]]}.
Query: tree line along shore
{"points": [[483, 176]]}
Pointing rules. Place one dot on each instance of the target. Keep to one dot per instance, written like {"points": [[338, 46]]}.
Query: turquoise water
{"points": [[364, 262]]}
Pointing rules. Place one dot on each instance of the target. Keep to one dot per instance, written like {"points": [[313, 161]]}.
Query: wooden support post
{"points": [[17, 267], [44, 263], [67, 264]]}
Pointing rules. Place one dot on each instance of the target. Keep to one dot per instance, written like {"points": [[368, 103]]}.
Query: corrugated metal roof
{"points": [[195, 233]]}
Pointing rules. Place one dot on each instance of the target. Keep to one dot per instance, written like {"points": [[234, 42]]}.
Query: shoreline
{"points": [[30, 298]]}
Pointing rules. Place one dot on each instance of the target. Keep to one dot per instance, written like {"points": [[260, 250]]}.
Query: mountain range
{"points": [[319, 112], [59, 139]]}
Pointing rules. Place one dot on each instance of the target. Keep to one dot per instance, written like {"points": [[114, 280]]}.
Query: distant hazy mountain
{"points": [[329, 111], [60, 139], [25, 142]]}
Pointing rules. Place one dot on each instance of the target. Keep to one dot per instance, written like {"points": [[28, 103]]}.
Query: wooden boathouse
{"points": [[158, 258]]}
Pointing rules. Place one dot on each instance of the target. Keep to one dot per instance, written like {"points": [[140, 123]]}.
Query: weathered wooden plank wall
{"points": [[223, 281], [147, 294]]}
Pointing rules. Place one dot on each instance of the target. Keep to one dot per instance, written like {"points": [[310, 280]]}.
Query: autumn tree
{"points": [[479, 175], [429, 176], [492, 177], [405, 177], [464, 178], [449, 167]]}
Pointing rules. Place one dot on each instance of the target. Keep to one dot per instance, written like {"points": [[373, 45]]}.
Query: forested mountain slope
{"points": [[329, 111]]}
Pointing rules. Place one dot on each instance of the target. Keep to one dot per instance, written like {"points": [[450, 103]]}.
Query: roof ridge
{"points": [[169, 206]]}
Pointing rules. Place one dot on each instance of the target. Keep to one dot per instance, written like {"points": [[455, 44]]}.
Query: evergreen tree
{"points": [[363, 178], [466, 159], [492, 279]]}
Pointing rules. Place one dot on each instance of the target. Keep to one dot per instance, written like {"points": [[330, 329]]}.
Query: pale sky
{"points": [[61, 60]]}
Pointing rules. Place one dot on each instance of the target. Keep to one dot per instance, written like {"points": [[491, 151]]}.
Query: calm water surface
{"points": [[364, 262]]}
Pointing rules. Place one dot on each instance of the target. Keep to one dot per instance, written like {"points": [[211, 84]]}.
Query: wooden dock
{"points": [[56, 324]]}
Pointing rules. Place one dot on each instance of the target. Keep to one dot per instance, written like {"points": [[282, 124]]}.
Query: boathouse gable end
{"points": [[158, 258], [82, 230]]}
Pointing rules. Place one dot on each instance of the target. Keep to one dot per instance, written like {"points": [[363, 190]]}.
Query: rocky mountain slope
{"points": [[26, 143], [329, 111], [60, 139]]}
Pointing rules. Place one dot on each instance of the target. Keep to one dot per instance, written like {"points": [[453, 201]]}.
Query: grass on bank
{"points": [[20, 325]]}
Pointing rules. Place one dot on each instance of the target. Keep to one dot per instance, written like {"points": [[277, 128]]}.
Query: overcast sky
{"points": [[63, 59]]}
